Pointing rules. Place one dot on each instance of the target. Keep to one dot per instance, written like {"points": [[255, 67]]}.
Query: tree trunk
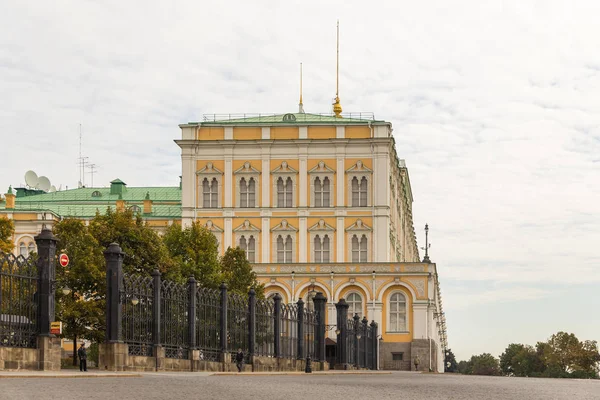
{"points": [[75, 350]]}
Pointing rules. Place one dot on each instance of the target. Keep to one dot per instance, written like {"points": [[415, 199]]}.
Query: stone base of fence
{"points": [[115, 357], [45, 358]]}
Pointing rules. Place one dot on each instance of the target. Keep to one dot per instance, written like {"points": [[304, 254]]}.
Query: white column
{"points": [[228, 133], [266, 241], [228, 234], [374, 313], [266, 182], [303, 181], [340, 132], [340, 235], [341, 176], [419, 328], [331, 319], [266, 133], [228, 182], [188, 188], [303, 132], [302, 240]]}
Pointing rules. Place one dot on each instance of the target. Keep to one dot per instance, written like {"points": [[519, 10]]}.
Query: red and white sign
{"points": [[63, 259]]}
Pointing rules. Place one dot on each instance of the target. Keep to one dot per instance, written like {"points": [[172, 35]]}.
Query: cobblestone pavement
{"points": [[406, 386]]}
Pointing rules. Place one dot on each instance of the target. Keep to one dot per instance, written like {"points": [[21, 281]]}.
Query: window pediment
{"points": [[321, 168], [284, 227], [284, 168], [212, 227], [321, 226], [246, 227], [248, 169], [359, 167], [359, 226], [209, 169]]}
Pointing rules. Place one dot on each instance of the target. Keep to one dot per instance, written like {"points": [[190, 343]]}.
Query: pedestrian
{"points": [[82, 354], [239, 359], [417, 362]]}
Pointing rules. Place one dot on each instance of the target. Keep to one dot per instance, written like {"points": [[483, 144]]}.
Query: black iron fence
{"points": [[27, 288], [356, 340]]}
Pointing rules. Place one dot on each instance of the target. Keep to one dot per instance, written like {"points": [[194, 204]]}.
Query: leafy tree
{"points": [[566, 356], [453, 366], [7, 229], [485, 364], [194, 251], [82, 310], [521, 360], [144, 250], [465, 367], [237, 273]]}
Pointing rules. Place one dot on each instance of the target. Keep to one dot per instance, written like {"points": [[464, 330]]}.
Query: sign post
{"points": [[56, 328], [63, 259]]}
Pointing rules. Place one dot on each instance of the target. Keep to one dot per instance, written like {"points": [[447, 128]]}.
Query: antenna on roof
{"points": [[337, 107], [300, 105], [31, 179]]}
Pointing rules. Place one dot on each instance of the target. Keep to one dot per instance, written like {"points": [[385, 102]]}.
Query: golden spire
{"points": [[300, 105], [337, 107]]}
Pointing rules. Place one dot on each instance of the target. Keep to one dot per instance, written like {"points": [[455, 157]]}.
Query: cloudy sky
{"points": [[495, 107]]}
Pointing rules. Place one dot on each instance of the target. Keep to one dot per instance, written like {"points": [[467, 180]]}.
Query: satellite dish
{"points": [[44, 183], [52, 189], [31, 179]]}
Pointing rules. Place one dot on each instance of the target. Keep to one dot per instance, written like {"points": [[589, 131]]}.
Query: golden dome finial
{"points": [[300, 105], [337, 107]]}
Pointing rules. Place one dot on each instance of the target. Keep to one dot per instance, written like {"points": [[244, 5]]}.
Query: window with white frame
{"points": [[247, 192], [322, 192], [354, 301], [285, 192], [359, 183], [31, 248], [359, 191], [247, 181], [359, 248], [321, 185], [210, 193], [23, 249], [397, 306], [249, 246], [284, 248], [321, 248]]}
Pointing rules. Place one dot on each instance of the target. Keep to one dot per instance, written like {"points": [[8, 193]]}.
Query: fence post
{"points": [[277, 326], [251, 324], [114, 286], [319, 300], [375, 353], [300, 329], [192, 313], [46, 244], [365, 337], [223, 332], [356, 319], [342, 326], [156, 307]]}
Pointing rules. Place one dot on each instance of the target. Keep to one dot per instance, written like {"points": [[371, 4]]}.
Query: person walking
{"points": [[417, 362], [82, 354], [239, 359]]}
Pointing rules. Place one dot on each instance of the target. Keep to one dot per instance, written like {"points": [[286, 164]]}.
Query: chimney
{"points": [[10, 199], [147, 204], [120, 203]]}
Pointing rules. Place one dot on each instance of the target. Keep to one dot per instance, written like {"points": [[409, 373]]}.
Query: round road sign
{"points": [[63, 259]]}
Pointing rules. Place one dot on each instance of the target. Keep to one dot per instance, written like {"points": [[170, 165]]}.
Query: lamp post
{"points": [[427, 245], [311, 307]]}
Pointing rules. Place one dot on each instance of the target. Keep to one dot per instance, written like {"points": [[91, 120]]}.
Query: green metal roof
{"points": [[89, 210], [290, 118]]}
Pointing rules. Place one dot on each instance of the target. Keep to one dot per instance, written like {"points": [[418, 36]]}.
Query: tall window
{"points": [[321, 248], [23, 249], [322, 192], [249, 246], [359, 249], [359, 192], [284, 192], [247, 193], [284, 249], [397, 313], [355, 302], [31, 248], [210, 191]]}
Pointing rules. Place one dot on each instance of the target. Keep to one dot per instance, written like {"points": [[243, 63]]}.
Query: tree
{"points": [[465, 367], [194, 251], [485, 364], [7, 229], [453, 366], [566, 356], [82, 310], [521, 360], [144, 250], [237, 273]]}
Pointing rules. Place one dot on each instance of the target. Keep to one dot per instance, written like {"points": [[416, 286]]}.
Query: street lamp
{"points": [[66, 290], [135, 301]]}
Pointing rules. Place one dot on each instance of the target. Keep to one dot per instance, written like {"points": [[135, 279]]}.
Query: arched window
{"points": [[359, 249], [284, 192], [23, 249], [96, 193], [321, 249], [397, 313], [284, 249], [249, 246], [210, 191], [322, 192], [135, 209], [355, 302], [359, 192], [247, 193], [31, 248]]}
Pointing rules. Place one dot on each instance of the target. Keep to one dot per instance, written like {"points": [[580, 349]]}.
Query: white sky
{"points": [[495, 108]]}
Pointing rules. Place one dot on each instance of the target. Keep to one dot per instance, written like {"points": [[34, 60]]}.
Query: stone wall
{"points": [[386, 361], [115, 357], [420, 347], [45, 358]]}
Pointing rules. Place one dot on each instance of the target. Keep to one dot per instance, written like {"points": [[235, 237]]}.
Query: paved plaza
{"points": [[406, 386]]}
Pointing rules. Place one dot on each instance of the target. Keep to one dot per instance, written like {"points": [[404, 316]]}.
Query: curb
{"points": [[299, 373], [37, 376]]}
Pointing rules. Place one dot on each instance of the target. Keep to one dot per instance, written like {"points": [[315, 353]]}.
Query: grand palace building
{"points": [[320, 203]]}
